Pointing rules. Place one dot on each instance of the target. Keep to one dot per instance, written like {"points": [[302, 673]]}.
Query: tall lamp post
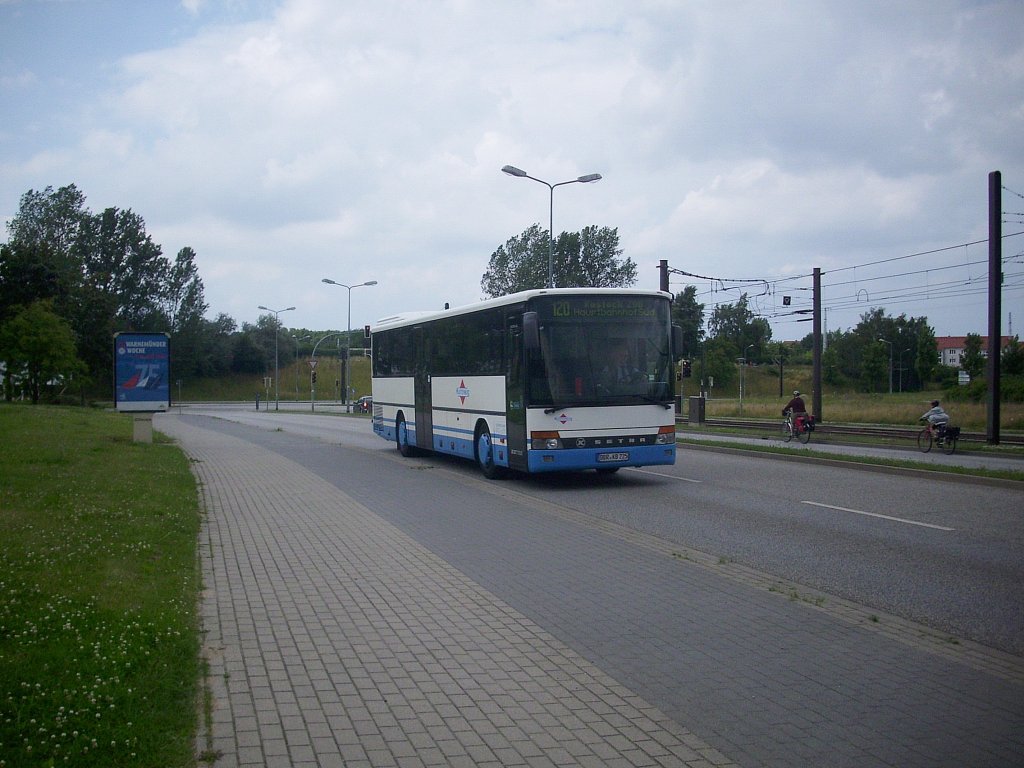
{"points": [[890, 363], [511, 170], [348, 334], [277, 369]]}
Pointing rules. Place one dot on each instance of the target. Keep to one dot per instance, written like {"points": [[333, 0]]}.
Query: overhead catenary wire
{"points": [[904, 297]]}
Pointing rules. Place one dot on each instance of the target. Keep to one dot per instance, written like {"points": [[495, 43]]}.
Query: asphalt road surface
{"points": [[933, 549], [898, 605]]}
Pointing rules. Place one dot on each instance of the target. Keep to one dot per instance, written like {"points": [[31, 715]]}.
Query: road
{"points": [[931, 549], [897, 586]]}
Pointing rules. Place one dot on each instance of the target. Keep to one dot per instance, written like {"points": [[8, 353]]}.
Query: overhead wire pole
{"points": [[816, 373], [995, 303]]}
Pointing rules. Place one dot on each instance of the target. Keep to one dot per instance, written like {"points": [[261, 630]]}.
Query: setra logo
{"points": [[462, 391]]}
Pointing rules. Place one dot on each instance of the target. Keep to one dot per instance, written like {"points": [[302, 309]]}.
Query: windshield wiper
{"points": [[606, 403], [656, 401], [574, 404]]}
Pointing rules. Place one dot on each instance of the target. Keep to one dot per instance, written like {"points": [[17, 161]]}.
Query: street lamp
{"points": [[511, 170], [349, 333], [277, 332], [890, 363]]}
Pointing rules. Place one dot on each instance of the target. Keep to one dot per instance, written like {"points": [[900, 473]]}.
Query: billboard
{"points": [[142, 371]]}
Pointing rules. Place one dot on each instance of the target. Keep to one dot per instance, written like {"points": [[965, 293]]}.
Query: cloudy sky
{"points": [[294, 140]]}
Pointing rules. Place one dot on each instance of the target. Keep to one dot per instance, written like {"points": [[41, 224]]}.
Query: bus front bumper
{"points": [[570, 459]]}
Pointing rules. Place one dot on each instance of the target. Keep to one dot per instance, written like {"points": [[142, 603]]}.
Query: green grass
{"points": [[997, 474], [845, 406], [99, 662], [293, 382]]}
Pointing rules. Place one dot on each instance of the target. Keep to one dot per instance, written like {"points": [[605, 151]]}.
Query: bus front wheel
{"points": [[402, 438], [485, 454]]}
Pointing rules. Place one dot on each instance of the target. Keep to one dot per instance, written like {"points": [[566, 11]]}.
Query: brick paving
{"points": [[334, 639], [341, 635]]}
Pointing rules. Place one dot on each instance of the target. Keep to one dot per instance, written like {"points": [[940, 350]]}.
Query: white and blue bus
{"points": [[539, 381]]}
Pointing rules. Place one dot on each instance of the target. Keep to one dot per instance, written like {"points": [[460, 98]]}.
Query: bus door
{"points": [[421, 391], [515, 391]]}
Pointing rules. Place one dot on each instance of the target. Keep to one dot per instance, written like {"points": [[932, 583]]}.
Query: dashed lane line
{"points": [[876, 514]]}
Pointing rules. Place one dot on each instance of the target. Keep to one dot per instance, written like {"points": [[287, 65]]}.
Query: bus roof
{"points": [[409, 318]]}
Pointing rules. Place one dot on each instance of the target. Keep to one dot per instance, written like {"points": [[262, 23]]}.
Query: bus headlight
{"points": [[545, 441], [666, 435]]}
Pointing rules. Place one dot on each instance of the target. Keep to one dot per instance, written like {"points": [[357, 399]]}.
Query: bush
{"points": [[946, 376], [1011, 390]]}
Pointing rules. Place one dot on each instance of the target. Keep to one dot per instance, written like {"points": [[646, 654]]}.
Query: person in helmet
{"points": [[798, 408], [935, 416], [796, 405]]}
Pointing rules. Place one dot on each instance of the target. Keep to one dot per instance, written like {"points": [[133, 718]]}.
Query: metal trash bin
{"points": [[697, 410]]}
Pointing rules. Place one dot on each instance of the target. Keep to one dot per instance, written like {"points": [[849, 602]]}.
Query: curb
{"points": [[862, 463]]}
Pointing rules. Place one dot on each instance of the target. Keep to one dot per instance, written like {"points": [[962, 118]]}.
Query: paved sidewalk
{"points": [[335, 639]]}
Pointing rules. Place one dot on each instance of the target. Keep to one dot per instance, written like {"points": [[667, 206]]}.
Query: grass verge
{"points": [[99, 644], [996, 474]]}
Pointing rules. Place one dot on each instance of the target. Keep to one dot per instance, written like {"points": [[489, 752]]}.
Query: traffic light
{"points": [[313, 377], [687, 369]]}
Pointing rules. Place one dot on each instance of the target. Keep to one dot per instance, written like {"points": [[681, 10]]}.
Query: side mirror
{"points": [[531, 331], [677, 343]]}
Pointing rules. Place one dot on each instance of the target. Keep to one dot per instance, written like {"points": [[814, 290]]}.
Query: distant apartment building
{"points": [[951, 348]]}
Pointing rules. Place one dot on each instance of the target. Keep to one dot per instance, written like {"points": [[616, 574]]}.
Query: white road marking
{"points": [[884, 517], [662, 474]]}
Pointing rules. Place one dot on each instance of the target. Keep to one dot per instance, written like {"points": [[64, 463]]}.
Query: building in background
{"points": [[951, 348]]}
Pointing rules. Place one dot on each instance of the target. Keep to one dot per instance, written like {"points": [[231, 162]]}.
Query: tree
{"points": [[587, 259], [718, 364], [39, 345], [125, 268], [913, 352], [37, 262], [216, 354], [184, 307], [250, 353], [591, 259], [973, 361], [104, 273], [688, 314], [831, 371], [1012, 361], [926, 359], [737, 327], [874, 367]]}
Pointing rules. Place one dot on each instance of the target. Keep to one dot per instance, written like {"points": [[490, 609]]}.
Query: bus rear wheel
{"points": [[485, 454]]}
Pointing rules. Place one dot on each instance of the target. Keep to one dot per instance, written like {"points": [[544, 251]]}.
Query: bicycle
{"points": [[801, 427], [942, 435]]}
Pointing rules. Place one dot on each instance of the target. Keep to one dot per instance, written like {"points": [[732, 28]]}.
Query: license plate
{"points": [[613, 457]]}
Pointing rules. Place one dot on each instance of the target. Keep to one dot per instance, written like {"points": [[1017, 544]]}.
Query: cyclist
{"points": [[797, 407], [936, 417]]}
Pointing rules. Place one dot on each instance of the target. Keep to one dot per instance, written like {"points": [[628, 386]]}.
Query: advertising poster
{"points": [[142, 371]]}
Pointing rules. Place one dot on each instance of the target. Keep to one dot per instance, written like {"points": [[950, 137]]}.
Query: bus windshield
{"points": [[600, 351]]}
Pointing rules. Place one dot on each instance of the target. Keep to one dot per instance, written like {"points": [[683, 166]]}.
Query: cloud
{"points": [[304, 139]]}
